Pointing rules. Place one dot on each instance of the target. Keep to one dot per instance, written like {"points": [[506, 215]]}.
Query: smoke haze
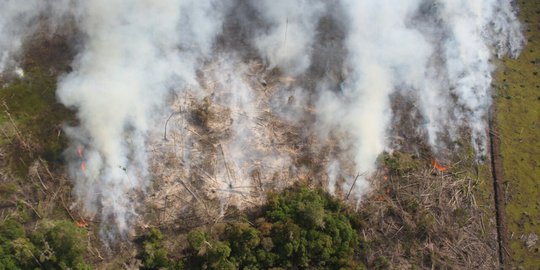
{"points": [[325, 72], [19, 21]]}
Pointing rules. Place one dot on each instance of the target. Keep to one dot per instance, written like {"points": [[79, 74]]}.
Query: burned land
{"points": [[257, 153]]}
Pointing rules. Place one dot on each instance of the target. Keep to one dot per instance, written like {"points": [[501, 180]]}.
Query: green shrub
{"points": [[54, 245], [299, 228], [398, 163], [153, 254]]}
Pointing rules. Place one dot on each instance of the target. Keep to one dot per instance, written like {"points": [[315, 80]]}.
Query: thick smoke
{"points": [[456, 85], [129, 66], [340, 64], [437, 52], [381, 49]]}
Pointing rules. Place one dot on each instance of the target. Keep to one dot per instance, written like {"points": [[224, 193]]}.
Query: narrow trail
{"points": [[498, 194]]}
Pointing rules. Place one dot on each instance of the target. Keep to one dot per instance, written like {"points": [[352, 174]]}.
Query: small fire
{"points": [[81, 223], [80, 151], [438, 166]]}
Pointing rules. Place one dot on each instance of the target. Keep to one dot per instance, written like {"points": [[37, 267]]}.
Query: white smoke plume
{"points": [[15, 23], [341, 63], [130, 65], [437, 51], [456, 90], [287, 42], [383, 54], [333, 172]]}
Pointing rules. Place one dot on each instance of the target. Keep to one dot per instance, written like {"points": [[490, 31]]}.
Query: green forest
{"points": [[300, 228]]}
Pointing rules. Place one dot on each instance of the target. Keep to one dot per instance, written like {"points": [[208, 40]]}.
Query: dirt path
{"points": [[498, 191]]}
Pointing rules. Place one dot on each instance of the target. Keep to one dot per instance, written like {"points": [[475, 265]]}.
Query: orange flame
{"points": [[80, 151], [81, 223], [438, 166]]}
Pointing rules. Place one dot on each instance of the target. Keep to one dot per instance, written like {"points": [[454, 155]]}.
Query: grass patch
{"points": [[32, 179], [518, 118], [31, 120]]}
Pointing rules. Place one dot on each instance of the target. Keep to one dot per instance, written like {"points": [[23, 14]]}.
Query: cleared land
{"points": [[416, 215]]}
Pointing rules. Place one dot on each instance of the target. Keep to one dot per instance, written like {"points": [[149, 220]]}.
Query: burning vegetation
{"points": [[249, 135]]}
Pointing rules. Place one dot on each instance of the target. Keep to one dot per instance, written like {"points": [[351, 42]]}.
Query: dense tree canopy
{"points": [[53, 245], [298, 229]]}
